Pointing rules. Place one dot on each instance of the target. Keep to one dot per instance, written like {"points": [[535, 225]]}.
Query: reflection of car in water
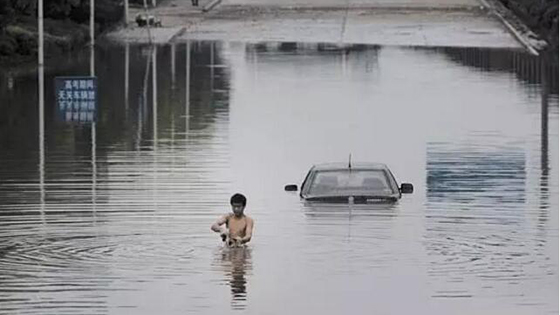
{"points": [[345, 183]]}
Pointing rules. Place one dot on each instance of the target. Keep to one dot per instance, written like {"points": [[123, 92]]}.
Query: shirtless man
{"points": [[239, 227]]}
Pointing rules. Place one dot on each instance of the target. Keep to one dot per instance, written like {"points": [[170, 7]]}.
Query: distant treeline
{"points": [[65, 25], [540, 15]]}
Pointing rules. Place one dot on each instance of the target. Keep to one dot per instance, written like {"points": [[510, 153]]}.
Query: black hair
{"points": [[238, 198]]}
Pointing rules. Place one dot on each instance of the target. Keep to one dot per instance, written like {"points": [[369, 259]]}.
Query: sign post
{"points": [[126, 13]]}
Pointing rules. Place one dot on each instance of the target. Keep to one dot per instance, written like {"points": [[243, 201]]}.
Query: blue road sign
{"points": [[76, 98]]}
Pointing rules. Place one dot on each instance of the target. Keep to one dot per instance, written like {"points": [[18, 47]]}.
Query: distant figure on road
{"points": [[194, 3], [238, 228]]}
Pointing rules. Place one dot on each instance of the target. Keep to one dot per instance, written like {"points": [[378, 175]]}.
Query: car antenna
{"points": [[350, 161]]}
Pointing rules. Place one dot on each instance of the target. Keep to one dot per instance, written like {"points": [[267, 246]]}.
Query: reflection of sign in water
{"points": [[465, 174], [76, 98]]}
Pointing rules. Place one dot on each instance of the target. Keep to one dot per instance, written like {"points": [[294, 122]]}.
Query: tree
{"points": [[6, 14]]}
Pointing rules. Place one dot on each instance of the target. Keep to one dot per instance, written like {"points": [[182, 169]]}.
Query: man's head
{"points": [[238, 202]]}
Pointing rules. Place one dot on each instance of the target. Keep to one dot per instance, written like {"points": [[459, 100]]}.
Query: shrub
{"points": [[6, 14], [7, 46], [24, 7]]}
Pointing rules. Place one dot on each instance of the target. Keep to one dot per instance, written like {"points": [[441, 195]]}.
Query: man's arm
{"points": [[217, 226], [248, 231]]}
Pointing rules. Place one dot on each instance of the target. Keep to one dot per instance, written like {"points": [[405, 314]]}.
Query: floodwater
{"points": [[113, 217]]}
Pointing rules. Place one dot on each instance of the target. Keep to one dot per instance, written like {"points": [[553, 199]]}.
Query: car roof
{"points": [[344, 166]]}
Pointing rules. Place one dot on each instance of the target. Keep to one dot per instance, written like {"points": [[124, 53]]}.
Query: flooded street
{"points": [[113, 217]]}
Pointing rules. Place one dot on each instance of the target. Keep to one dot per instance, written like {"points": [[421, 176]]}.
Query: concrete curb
{"points": [[159, 35], [518, 36], [211, 5], [178, 34], [377, 8]]}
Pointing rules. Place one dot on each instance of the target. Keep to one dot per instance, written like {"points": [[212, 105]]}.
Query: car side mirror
{"points": [[290, 188], [407, 188]]}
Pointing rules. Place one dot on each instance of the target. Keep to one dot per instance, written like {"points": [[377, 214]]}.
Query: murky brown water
{"points": [[114, 217]]}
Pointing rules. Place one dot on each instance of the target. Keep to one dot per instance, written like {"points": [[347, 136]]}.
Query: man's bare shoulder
{"points": [[223, 218]]}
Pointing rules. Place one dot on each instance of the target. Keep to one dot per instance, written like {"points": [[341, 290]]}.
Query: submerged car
{"points": [[345, 183]]}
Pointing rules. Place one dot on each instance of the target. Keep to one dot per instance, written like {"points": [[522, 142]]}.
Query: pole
{"points": [[41, 110], [126, 75], [92, 21], [42, 140], [187, 87], [154, 95], [544, 122], [173, 66], [93, 123], [212, 67], [155, 130], [92, 34], [40, 17], [125, 13]]}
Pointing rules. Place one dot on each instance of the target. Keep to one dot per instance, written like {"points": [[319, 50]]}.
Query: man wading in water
{"points": [[239, 227]]}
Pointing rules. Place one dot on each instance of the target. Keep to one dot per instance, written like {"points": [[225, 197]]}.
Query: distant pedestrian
{"points": [[194, 3], [238, 228]]}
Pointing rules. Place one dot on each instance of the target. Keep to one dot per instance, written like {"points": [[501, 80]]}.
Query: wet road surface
{"points": [[431, 23], [114, 217], [459, 28]]}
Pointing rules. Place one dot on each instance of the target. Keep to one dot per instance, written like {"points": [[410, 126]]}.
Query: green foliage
{"points": [[8, 46], [539, 15], [23, 7], [57, 9], [6, 14], [26, 43]]}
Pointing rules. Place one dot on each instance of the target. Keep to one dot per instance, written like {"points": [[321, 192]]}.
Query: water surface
{"points": [[113, 217]]}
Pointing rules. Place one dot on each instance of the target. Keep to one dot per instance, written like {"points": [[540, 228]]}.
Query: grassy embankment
{"points": [[66, 27], [541, 16]]}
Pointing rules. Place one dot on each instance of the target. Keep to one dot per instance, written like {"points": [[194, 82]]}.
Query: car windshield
{"points": [[345, 182]]}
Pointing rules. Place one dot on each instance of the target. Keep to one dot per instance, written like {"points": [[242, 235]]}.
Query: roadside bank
{"points": [[66, 28], [426, 23], [541, 17]]}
